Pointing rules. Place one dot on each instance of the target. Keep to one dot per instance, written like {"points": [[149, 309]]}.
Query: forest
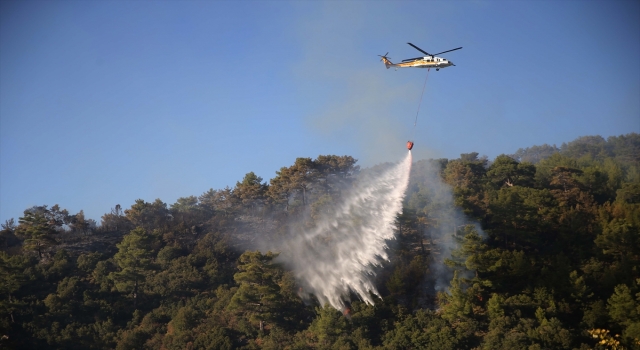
{"points": [[545, 255]]}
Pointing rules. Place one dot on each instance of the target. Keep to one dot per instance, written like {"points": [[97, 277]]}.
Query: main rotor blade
{"points": [[421, 50], [412, 59], [448, 51]]}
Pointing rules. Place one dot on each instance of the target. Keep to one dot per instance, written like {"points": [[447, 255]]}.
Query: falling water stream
{"points": [[339, 255]]}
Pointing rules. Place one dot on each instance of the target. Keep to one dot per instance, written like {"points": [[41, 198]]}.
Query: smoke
{"points": [[338, 256], [444, 219], [339, 67]]}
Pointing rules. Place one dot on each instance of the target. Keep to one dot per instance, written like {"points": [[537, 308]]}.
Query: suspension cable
{"points": [[420, 103]]}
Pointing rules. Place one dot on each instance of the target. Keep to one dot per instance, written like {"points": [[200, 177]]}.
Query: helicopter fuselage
{"points": [[429, 61], [425, 62]]}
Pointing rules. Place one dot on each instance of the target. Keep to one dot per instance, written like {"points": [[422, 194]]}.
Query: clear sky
{"points": [[105, 102]]}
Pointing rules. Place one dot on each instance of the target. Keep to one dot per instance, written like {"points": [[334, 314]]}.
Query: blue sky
{"points": [[102, 102]]}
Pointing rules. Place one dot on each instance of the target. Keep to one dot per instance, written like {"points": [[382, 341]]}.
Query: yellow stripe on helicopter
{"points": [[429, 61]]}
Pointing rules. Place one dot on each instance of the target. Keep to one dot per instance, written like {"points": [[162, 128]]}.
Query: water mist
{"points": [[338, 256]]}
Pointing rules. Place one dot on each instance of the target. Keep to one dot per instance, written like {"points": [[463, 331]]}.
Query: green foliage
{"points": [[87, 262], [215, 339], [629, 193], [328, 328], [550, 263], [466, 175], [624, 310], [522, 215], [251, 190], [296, 186], [38, 227], [505, 171], [422, 330], [148, 215], [11, 280], [258, 297], [178, 279], [134, 258], [115, 221], [535, 154]]}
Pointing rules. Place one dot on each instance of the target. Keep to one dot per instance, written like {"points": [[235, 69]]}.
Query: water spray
{"points": [[338, 256]]}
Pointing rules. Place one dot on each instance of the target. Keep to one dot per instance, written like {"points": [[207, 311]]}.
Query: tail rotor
{"points": [[384, 57]]}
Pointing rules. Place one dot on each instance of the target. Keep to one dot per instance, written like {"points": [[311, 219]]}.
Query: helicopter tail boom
{"points": [[386, 61]]}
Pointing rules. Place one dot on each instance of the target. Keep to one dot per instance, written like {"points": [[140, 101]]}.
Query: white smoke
{"points": [[446, 220], [338, 256]]}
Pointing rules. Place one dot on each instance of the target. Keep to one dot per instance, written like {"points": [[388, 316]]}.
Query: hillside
{"points": [[539, 249]]}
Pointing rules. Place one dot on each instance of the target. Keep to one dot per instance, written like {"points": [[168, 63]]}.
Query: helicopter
{"points": [[428, 61]]}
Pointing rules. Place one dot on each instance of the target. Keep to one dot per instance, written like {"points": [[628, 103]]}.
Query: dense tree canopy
{"points": [[544, 255]]}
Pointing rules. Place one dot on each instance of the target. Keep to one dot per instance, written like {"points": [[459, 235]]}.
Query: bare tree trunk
{"points": [[135, 295], [304, 194], [11, 313]]}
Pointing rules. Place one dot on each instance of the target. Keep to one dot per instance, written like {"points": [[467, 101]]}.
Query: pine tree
{"points": [[134, 259], [258, 296]]}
